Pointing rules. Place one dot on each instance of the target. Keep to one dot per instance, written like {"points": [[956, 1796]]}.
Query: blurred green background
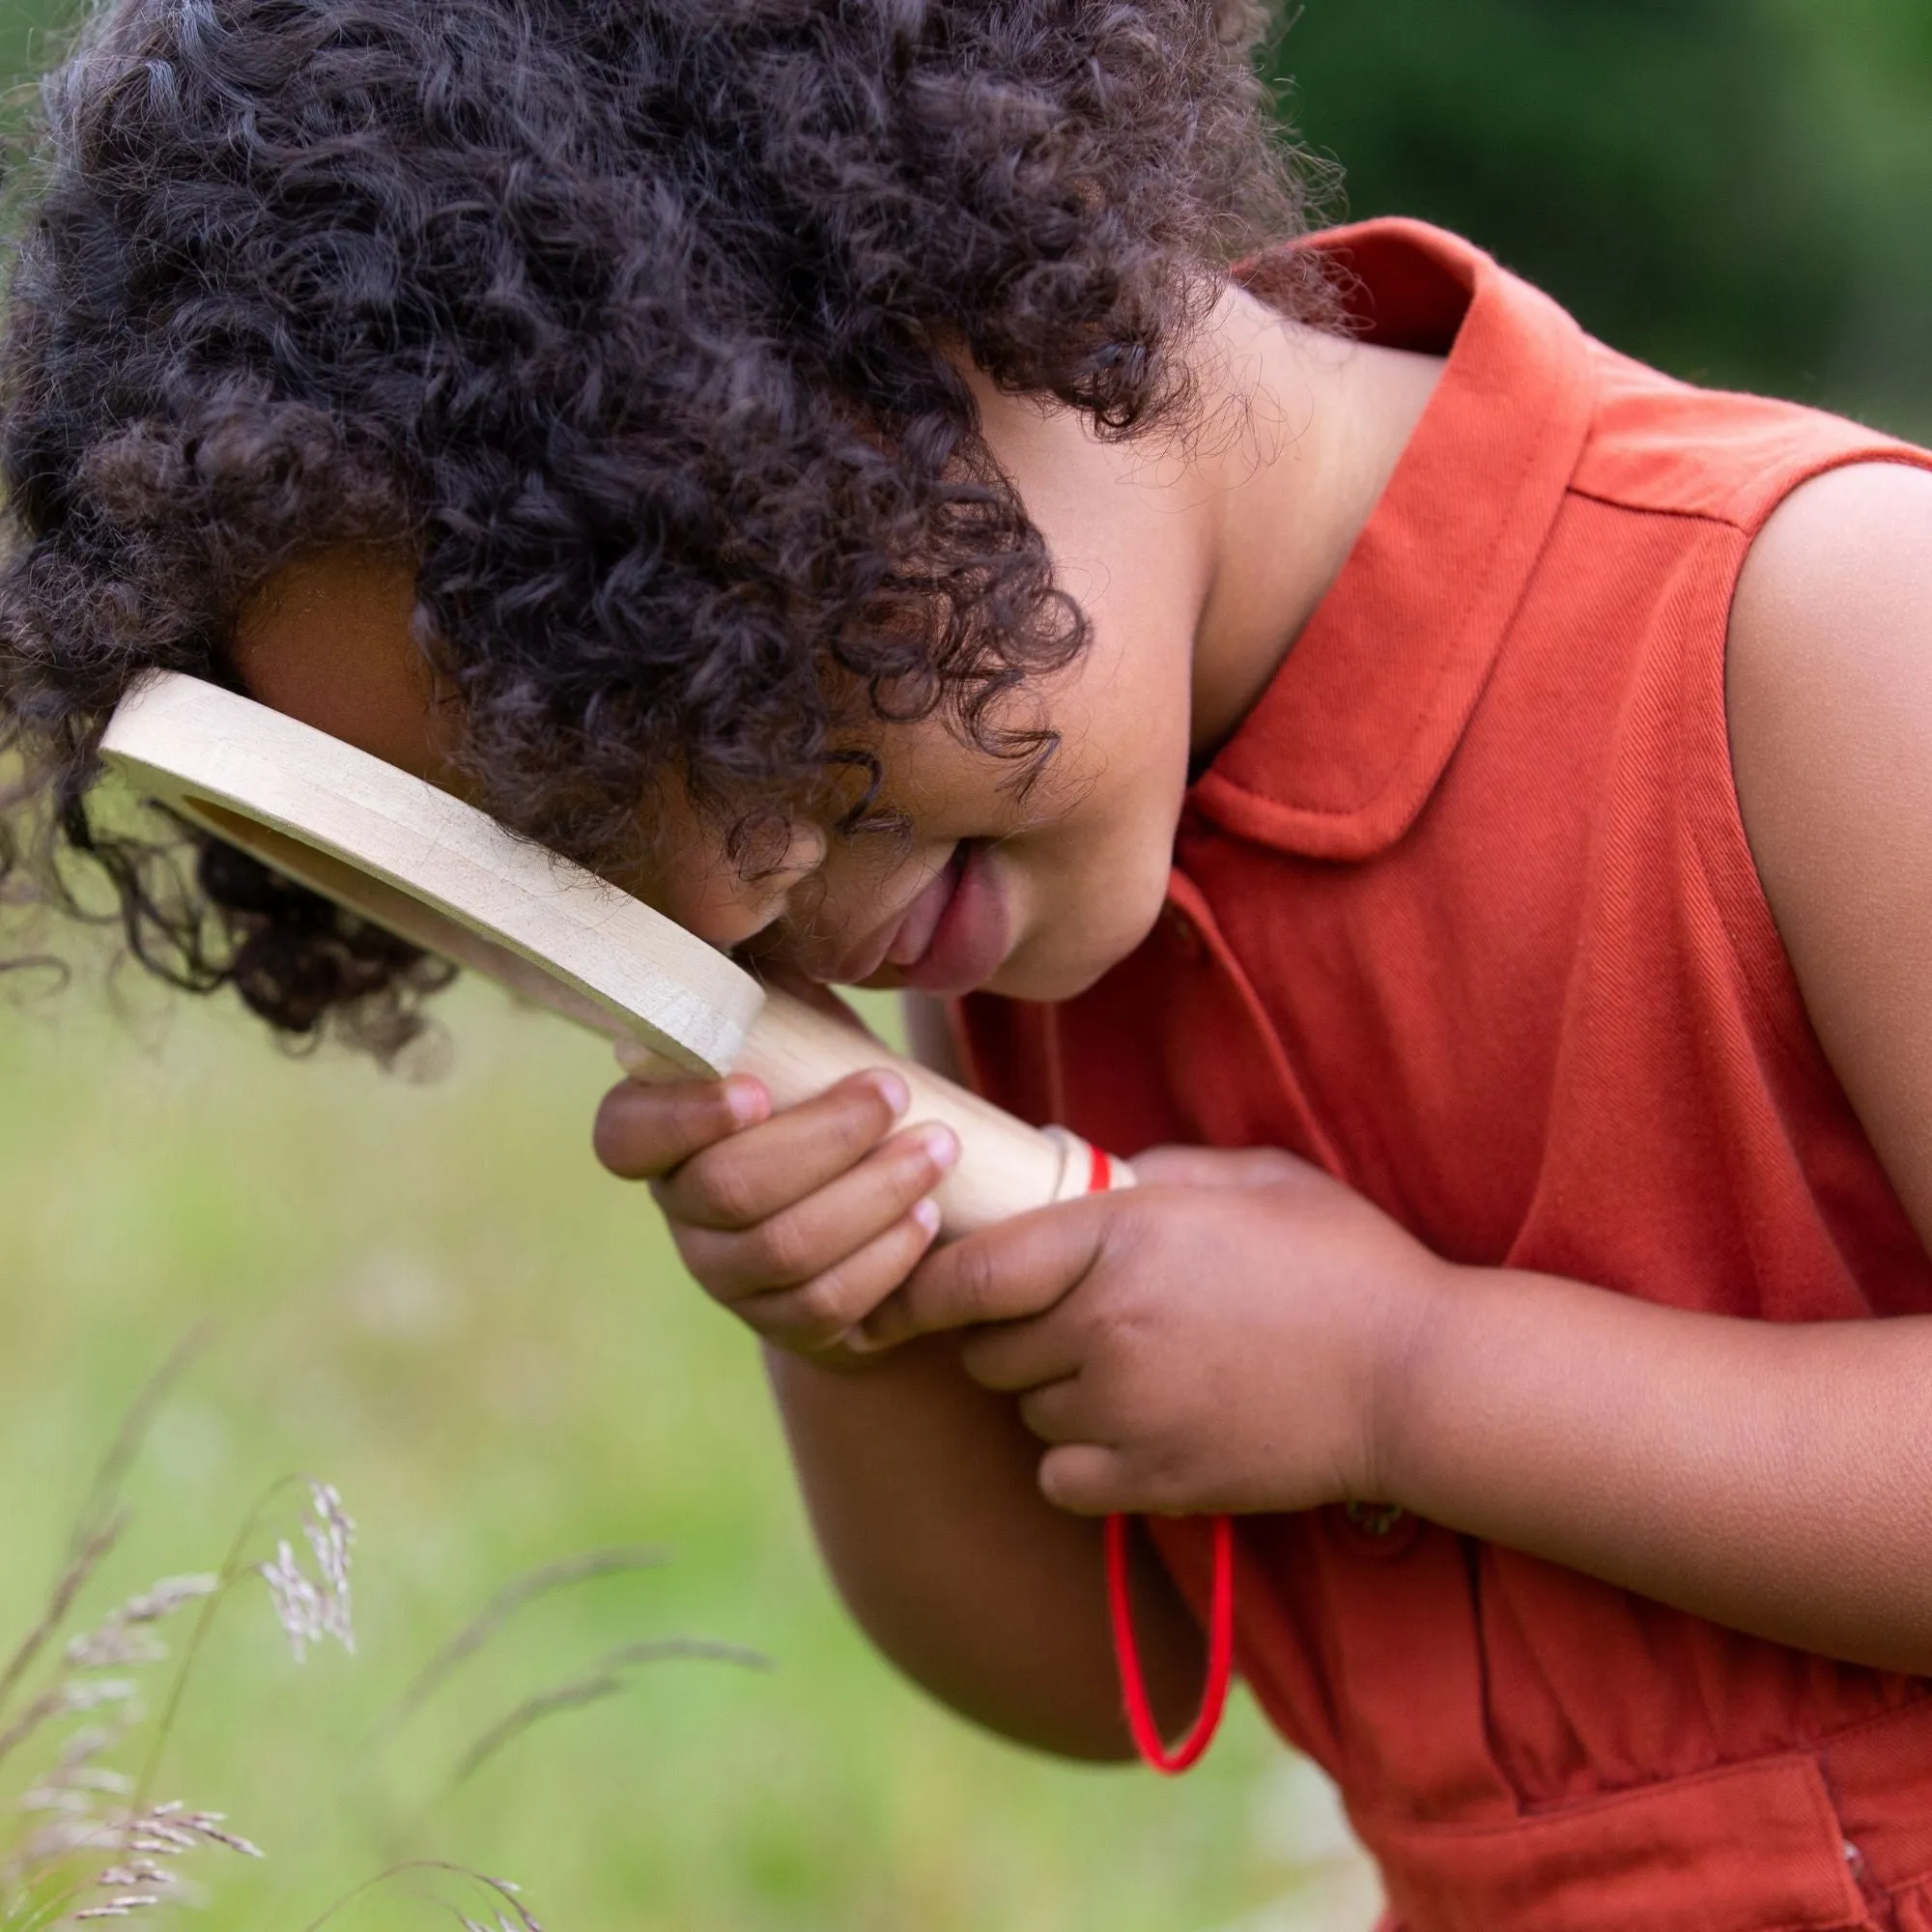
{"points": [[430, 1295], [1737, 190]]}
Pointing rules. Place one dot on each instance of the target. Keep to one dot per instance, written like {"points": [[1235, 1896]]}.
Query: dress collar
{"points": [[1343, 749]]}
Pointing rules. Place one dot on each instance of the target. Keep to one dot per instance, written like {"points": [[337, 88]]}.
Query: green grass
{"points": [[432, 1297]]}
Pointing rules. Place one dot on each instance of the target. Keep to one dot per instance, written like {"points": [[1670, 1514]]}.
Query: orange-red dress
{"points": [[1465, 912]]}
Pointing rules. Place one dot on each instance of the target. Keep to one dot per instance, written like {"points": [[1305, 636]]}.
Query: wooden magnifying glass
{"points": [[446, 877], [436, 871]]}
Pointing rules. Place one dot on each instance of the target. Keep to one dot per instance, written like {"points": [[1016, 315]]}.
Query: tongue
{"points": [[923, 916]]}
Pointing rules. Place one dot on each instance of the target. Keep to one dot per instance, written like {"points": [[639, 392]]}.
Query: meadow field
{"points": [[430, 1295]]}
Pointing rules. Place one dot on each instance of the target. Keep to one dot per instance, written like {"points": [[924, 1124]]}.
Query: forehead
{"points": [[329, 641]]}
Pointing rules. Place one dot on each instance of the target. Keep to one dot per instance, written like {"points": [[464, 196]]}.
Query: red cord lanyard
{"points": [[1148, 1740]]}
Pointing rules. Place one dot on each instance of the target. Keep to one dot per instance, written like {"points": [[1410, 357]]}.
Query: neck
{"points": [[1315, 426]]}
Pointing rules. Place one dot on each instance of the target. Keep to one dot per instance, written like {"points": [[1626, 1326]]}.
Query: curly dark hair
{"points": [[636, 325]]}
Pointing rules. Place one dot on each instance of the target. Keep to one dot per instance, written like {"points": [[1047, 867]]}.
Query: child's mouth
{"points": [[954, 935]]}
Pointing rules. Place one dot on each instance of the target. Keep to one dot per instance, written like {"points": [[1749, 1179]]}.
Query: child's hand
{"points": [[1230, 1335], [801, 1222]]}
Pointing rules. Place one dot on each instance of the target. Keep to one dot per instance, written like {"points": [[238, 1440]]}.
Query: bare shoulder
{"points": [[1828, 697]]}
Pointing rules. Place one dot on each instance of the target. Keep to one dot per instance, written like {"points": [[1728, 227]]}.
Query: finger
{"points": [[641, 1132], [813, 1235], [1005, 1273], [1089, 1479], [1061, 1412], [1218, 1167], [1010, 1357], [745, 1179], [820, 1315]]}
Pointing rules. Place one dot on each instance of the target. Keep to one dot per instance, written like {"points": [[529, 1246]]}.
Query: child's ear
{"points": [[330, 640]]}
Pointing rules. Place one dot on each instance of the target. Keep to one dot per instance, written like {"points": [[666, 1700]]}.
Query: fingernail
{"points": [[746, 1102], [941, 1144], [856, 1341], [926, 1213], [892, 1090]]}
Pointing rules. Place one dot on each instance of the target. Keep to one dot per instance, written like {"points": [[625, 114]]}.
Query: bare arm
{"points": [[924, 1498], [921, 1487], [1777, 1479]]}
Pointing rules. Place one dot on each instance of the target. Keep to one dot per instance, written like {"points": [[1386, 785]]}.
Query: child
{"points": [[1449, 803]]}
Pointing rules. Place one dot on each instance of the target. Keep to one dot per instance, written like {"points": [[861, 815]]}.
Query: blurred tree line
{"points": [[1739, 190]]}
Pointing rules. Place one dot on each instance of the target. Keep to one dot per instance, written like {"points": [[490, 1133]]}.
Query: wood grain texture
{"points": [[447, 877]]}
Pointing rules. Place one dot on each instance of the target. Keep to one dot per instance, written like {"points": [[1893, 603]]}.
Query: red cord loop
{"points": [[1148, 1740]]}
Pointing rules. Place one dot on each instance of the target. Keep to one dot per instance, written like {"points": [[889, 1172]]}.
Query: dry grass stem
{"points": [[605, 1679], [83, 1559], [65, 1698], [99, 1526], [500, 1609], [126, 1634], [139, 1881], [306, 1613], [77, 1805], [512, 1914], [106, 1492]]}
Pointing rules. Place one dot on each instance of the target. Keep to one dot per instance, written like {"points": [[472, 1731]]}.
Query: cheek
{"points": [[1085, 903], [1096, 878]]}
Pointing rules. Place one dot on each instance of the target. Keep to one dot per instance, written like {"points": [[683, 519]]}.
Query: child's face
{"points": [[1032, 895]]}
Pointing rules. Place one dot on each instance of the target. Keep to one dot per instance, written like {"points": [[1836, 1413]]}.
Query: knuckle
{"points": [[726, 1188], [858, 1126], [824, 1307], [781, 1248], [1140, 1231], [704, 1259], [1278, 1164], [975, 1279], [802, 1319], [1160, 1477], [641, 1131]]}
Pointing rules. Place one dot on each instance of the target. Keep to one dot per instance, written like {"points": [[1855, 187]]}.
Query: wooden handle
{"points": [[1006, 1167]]}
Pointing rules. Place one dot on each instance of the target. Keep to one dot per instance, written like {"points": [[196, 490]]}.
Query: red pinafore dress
{"points": [[1465, 912]]}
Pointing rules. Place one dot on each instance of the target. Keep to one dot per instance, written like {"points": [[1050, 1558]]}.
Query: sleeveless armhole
{"points": [[1709, 779]]}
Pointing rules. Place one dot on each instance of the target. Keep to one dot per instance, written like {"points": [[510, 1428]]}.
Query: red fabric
{"points": [[1465, 913]]}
